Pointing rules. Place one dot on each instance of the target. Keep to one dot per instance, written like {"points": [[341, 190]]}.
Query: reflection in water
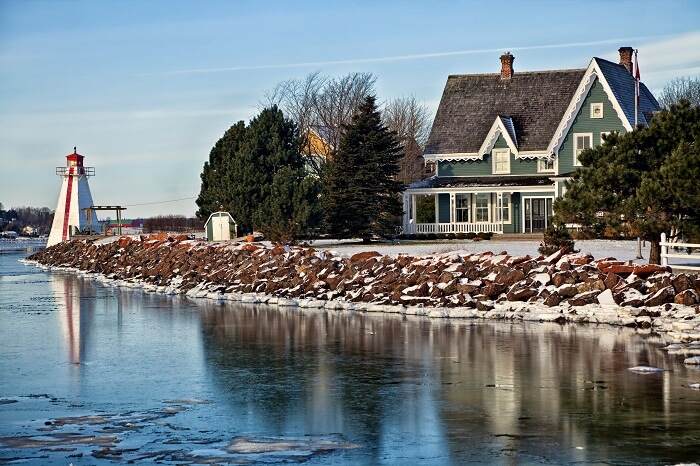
{"points": [[479, 390], [66, 291]]}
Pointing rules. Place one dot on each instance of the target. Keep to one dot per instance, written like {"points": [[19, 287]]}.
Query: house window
{"points": [[597, 110], [461, 208], [482, 207], [545, 165], [501, 161], [504, 208], [604, 133], [582, 141]]}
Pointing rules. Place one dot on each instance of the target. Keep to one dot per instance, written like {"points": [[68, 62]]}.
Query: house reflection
{"points": [[389, 379]]}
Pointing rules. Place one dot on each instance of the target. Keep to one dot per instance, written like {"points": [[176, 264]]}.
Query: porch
{"points": [[477, 211]]}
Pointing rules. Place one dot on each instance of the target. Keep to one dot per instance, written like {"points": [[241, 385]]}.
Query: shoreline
{"points": [[563, 288]]}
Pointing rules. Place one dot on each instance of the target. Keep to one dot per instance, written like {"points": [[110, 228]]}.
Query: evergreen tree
{"points": [[257, 174], [641, 183], [361, 193], [214, 194]]}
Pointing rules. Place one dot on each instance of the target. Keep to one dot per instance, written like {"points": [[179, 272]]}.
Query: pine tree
{"points": [[642, 183], [257, 174], [361, 193], [214, 195]]}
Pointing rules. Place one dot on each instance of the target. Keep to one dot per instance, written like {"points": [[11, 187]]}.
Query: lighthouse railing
{"points": [[65, 171]]}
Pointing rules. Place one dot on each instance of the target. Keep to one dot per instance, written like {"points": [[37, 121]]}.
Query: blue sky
{"points": [[144, 88]]}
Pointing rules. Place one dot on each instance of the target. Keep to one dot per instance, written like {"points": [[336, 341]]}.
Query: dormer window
{"points": [[597, 110], [501, 161]]}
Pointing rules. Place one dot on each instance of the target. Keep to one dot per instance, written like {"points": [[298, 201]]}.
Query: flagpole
{"points": [[636, 88]]}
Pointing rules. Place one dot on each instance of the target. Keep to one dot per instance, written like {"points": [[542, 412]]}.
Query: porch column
{"points": [[406, 213], [499, 205], [453, 204]]}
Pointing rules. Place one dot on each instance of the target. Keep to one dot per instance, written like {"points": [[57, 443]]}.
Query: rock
{"points": [[695, 360], [606, 298], [682, 282], [484, 306], [645, 369], [521, 294], [664, 295], [561, 278], [687, 297], [568, 291], [363, 256], [509, 277], [553, 299], [494, 289]]}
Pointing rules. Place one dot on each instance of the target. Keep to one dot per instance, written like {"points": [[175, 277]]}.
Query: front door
{"points": [[537, 213]]}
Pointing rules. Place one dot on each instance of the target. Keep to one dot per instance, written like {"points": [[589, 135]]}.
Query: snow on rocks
{"points": [[558, 288]]}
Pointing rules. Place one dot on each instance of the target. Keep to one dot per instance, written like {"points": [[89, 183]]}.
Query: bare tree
{"points": [[321, 104], [339, 100], [680, 89], [411, 121], [297, 98]]}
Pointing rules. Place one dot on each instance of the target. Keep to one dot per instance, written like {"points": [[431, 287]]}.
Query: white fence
{"points": [[688, 251]]}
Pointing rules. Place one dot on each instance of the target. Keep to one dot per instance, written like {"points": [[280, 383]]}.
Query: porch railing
{"points": [[421, 228]]}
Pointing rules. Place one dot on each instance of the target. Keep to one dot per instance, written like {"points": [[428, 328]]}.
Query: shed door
{"points": [[220, 229]]}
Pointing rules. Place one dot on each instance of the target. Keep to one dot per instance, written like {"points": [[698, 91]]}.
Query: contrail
{"points": [[421, 56]]}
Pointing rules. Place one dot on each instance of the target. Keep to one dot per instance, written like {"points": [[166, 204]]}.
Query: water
{"points": [[91, 374]]}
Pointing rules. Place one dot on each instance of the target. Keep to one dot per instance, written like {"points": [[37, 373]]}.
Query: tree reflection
{"points": [[484, 391]]}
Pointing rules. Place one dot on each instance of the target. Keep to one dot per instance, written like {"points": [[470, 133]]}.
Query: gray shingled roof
{"points": [[483, 181], [622, 85], [534, 101]]}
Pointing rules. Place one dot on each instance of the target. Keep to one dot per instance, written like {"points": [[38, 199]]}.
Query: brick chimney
{"points": [[626, 57], [507, 65]]}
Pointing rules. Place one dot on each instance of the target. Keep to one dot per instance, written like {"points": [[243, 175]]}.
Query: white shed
{"points": [[221, 226]]}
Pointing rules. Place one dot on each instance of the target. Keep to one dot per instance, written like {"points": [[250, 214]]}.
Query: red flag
{"points": [[636, 66]]}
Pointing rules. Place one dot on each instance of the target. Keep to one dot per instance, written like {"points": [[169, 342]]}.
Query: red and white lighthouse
{"points": [[70, 218]]}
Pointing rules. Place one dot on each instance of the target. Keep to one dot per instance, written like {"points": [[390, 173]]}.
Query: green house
{"points": [[504, 143]]}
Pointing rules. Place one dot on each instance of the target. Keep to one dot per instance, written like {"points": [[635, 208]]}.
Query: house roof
{"points": [[534, 103], [621, 84], [482, 181], [532, 107]]}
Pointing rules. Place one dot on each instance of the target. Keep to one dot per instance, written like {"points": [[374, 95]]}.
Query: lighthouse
{"points": [[70, 218]]}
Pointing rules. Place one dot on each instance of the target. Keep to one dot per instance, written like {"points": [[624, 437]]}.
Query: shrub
{"points": [[556, 237], [470, 235], [484, 235]]}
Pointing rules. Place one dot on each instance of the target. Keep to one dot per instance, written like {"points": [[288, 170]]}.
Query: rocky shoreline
{"points": [[559, 288]]}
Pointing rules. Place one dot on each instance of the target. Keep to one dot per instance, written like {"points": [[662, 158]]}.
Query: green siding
{"points": [[515, 210], [443, 208], [465, 168], [485, 167], [583, 123]]}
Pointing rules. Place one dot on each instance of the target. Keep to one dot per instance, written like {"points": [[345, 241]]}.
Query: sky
{"points": [[145, 88]]}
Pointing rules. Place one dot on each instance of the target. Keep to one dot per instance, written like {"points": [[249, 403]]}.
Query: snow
{"points": [[621, 250]]}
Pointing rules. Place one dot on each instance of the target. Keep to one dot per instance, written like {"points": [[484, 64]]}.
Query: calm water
{"points": [[91, 374]]}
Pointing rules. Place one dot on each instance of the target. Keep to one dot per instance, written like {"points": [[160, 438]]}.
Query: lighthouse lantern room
{"points": [[70, 217]]}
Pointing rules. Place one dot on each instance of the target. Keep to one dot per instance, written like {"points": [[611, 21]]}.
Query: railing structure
{"points": [[422, 228], [691, 253], [85, 171]]}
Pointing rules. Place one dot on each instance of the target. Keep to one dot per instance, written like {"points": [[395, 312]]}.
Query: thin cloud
{"points": [[421, 56]]}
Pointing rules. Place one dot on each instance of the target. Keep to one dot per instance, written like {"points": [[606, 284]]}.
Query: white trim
{"points": [[494, 162], [497, 129], [592, 72], [577, 150]]}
